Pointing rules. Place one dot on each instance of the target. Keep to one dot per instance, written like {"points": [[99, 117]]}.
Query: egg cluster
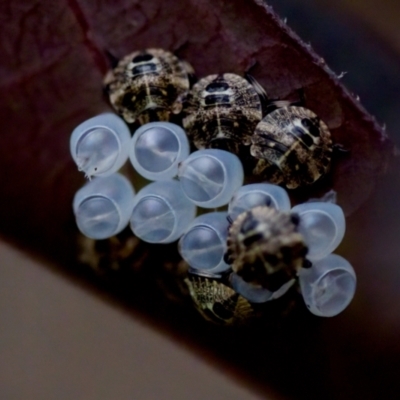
{"points": [[185, 185]]}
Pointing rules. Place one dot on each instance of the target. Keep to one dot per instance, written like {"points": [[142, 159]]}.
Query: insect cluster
{"points": [[258, 247]]}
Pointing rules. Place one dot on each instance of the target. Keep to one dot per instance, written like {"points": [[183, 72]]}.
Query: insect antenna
{"points": [[111, 58], [340, 149], [262, 93]]}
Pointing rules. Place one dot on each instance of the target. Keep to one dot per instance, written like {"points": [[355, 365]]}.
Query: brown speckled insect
{"points": [[293, 146], [222, 112], [111, 255], [217, 302], [146, 84], [265, 247]]}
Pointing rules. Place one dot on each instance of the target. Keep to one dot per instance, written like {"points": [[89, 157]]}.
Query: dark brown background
{"points": [[355, 355]]}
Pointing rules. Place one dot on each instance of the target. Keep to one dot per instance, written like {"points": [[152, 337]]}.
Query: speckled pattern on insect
{"points": [[265, 247], [146, 85], [217, 302], [222, 111], [293, 147]]}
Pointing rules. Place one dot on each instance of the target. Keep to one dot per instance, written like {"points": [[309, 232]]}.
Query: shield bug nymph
{"points": [[293, 146], [216, 301], [265, 247], [146, 85], [222, 111]]}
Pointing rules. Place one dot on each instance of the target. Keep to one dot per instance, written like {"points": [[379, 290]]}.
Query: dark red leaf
{"points": [[52, 64]]}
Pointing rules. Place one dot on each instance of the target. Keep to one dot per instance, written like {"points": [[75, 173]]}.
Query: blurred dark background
{"points": [[57, 341]]}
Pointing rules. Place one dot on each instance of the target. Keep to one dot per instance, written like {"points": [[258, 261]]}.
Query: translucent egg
{"points": [[100, 145], [204, 244], [258, 194], [323, 226], [256, 293], [157, 148], [210, 177], [253, 293], [103, 206], [328, 286], [161, 213]]}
